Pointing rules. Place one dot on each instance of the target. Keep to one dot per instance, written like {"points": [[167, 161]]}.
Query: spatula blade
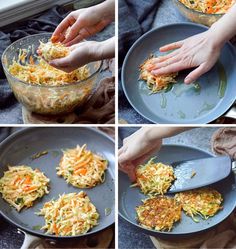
{"points": [[199, 173]]}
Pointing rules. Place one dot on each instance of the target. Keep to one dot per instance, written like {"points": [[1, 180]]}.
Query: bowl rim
{"points": [[45, 86], [199, 12]]}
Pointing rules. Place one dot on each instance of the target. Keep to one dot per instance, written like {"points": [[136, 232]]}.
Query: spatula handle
{"points": [[234, 167], [29, 240]]}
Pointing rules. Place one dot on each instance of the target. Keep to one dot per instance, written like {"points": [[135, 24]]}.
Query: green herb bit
{"points": [[107, 211], [19, 201], [39, 154], [37, 227]]}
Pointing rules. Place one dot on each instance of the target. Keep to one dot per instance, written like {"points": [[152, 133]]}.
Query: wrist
{"points": [[149, 134], [216, 36], [107, 10], [152, 134], [94, 50], [105, 49]]}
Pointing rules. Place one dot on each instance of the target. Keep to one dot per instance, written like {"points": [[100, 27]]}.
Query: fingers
{"points": [[76, 40], [121, 150], [171, 46], [81, 36], [124, 157], [75, 29], [39, 52], [195, 74], [132, 174], [128, 169], [145, 157], [77, 57], [164, 58], [165, 63], [54, 38], [63, 64], [59, 32], [172, 68]]}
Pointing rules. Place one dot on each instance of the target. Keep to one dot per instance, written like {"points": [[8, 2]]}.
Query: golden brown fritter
{"points": [[205, 202], [159, 213]]}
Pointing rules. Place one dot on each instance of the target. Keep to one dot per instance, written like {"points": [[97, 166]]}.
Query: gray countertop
{"points": [[200, 137]]}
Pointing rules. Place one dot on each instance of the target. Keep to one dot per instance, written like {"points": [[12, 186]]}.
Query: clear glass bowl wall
{"points": [[49, 100]]}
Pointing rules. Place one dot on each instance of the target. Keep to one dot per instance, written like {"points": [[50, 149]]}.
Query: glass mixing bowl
{"points": [[42, 99], [196, 16]]}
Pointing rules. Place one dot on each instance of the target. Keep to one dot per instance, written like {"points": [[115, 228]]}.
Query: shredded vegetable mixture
{"points": [[71, 214], [50, 51], [205, 202], [159, 213], [82, 168], [39, 72], [209, 6], [154, 178], [155, 83], [21, 186]]}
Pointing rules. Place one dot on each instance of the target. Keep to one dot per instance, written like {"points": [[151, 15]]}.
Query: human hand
{"points": [[82, 23], [137, 149], [83, 53], [80, 54], [200, 51]]}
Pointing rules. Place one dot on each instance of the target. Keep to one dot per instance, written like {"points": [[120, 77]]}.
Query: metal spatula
{"points": [[201, 172]]}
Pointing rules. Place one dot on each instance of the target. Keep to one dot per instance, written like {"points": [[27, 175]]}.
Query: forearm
{"points": [[107, 9], [224, 29], [105, 49], [154, 133]]}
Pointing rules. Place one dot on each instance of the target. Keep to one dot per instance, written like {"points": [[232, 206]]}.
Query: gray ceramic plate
{"points": [[18, 148], [183, 104], [129, 198]]}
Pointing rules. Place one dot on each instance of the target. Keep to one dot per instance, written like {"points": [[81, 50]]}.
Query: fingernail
{"points": [[52, 63], [153, 72], [187, 80]]}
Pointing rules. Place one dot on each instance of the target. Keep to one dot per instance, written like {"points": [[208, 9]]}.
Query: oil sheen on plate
{"points": [[189, 101]]}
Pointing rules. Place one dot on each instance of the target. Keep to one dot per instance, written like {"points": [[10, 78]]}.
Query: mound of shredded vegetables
{"points": [[209, 6], [50, 51], [159, 213], [21, 186], [82, 168], [36, 71], [205, 202], [70, 215], [155, 83], [154, 178]]}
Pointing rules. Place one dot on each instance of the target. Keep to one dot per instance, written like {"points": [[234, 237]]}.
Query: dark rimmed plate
{"points": [[129, 198], [21, 146], [183, 104]]}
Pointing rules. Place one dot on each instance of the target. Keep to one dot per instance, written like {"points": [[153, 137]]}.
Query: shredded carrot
{"points": [[54, 38], [82, 168], [81, 171], [155, 83], [55, 229], [31, 60], [29, 188], [27, 180], [82, 164], [209, 6], [18, 179], [72, 214]]}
